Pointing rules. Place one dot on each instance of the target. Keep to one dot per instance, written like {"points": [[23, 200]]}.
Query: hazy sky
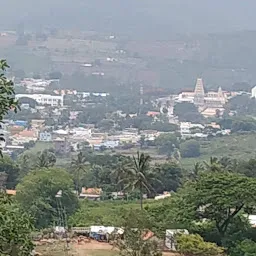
{"points": [[174, 15]]}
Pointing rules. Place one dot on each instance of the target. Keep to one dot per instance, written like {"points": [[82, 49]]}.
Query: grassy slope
{"points": [[234, 146], [40, 146], [101, 213]]}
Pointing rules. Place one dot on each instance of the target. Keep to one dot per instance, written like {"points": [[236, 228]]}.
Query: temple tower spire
{"points": [[199, 92]]}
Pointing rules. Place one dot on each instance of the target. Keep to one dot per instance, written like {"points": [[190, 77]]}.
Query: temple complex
{"points": [[204, 99]]}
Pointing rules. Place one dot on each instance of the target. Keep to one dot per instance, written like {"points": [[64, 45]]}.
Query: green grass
{"points": [[234, 146], [107, 213], [40, 145]]}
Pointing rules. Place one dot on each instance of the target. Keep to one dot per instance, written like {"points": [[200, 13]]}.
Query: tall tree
{"points": [[169, 174], [97, 171], [214, 165], [135, 240], [218, 165], [15, 226], [79, 167], [119, 171], [166, 144], [7, 99], [27, 162], [195, 172], [7, 95], [217, 197], [247, 168], [139, 175], [190, 148], [187, 112], [37, 191], [15, 229], [11, 169], [46, 159]]}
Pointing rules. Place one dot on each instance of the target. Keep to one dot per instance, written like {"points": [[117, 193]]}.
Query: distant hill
{"points": [[134, 17]]}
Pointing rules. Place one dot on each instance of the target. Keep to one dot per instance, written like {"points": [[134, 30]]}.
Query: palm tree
{"points": [[118, 173], [195, 173], [78, 166], [214, 165], [46, 159], [139, 176], [96, 172], [229, 164]]}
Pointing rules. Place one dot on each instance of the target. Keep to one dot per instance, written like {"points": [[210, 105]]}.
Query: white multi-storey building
{"points": [[186, 126], [44, 99]]}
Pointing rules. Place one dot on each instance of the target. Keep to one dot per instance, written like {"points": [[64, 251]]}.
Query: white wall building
{"points": [[35, 85], [254, 92], [82, 132], [44, 99], [186, 126]]}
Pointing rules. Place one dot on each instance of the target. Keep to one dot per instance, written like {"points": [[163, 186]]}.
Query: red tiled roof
{"points": [[10, 192], [147, 235], [92, 191], [27, 133], [153, 113]]}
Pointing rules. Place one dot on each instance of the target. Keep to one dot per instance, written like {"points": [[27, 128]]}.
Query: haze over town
{"points": [[128, 125]]}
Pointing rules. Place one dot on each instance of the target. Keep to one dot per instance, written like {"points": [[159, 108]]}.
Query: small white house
{"points": [[45, 136], [107, 144]]}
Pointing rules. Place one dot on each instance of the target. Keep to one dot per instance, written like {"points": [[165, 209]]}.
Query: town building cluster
{"points": [[66, 139]]}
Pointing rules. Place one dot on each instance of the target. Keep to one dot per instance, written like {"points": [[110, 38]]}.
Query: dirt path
{"points": [[83, 249]]}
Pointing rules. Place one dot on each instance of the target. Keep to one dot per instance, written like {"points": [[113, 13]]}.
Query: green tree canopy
{"points": [[12, 171], [217, 197], [190, 148], [79, 167], [46, 158], [138, 175], [194, 245], [247, 168], [242, 105], [134, 242], [187, 112], [166, 143], [15, 229], [7, 94], [244, 248], [105, 124], [37, 195], [169, 174]]}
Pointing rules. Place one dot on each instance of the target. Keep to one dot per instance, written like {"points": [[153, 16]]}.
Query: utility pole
{"points": [[62, 219]]}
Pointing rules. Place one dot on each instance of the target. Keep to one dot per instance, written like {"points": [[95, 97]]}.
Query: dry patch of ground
{"points": [[89, 249]]}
